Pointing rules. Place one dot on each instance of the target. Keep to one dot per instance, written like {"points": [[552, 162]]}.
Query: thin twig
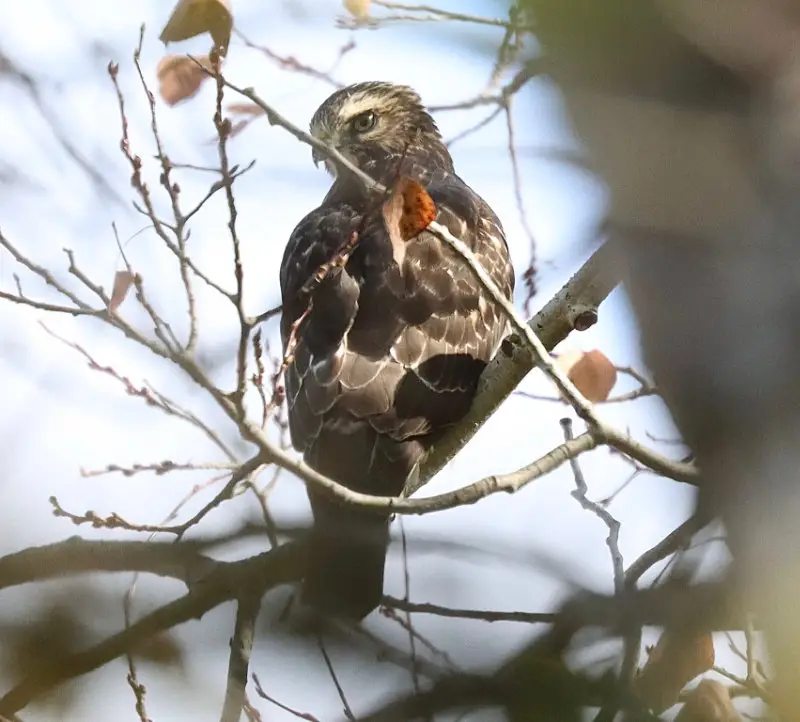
{"points": [[300, 715], [484, 615], [407, 595], [530, 273], [613, 525], [348, 713]]}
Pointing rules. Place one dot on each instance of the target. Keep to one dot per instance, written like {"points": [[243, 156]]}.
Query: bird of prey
{"points": [[386, 350]]}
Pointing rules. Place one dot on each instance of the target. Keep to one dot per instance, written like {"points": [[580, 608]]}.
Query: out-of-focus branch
{"points": [[419, 13], [226, 581], [76, 556], [484, 615]]}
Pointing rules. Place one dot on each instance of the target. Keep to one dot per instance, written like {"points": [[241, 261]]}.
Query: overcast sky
{"points": [[58, 416]]}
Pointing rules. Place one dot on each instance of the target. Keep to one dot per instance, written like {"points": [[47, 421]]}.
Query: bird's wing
{"points": [[399, 348], [452, 326]]}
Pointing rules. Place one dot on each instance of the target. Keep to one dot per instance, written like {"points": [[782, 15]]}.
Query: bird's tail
{"points": [[346, 557]]}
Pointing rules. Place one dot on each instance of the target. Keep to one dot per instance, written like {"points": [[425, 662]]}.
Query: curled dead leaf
{"points": [[195, 17], [180, 77], [417, 210], [359, 9], [674, 662], [123, 280], [591, 371], [708, 702], [408, 211]]}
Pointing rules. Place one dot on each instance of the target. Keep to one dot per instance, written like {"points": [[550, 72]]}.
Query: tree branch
{"points": [[248, 607], [226, 581]]}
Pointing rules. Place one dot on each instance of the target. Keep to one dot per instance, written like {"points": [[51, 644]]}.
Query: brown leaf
{"points": [[708, 702], [591, 371], [195, 17], [359, 9], [180, 77], [122, 284], [408, 212], [674, 662]]}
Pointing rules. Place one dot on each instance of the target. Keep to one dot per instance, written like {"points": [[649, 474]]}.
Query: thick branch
{"points": [[75, 556]]}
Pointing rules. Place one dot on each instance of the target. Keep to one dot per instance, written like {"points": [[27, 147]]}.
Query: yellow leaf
{"points": [[359, 9], [195, 17]]}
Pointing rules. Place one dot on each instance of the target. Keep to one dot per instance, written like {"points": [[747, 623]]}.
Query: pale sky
{"points": [[59, 417]]}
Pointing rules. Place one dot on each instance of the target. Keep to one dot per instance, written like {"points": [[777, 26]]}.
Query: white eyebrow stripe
{"points": [[358, 103]]}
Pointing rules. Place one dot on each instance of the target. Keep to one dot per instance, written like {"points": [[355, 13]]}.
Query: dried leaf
{"points": [[708, 702], [567, 359], [359, 9], [591, 371], [407, 213], [180, 77], [195, 17], [419, 210], [122, 284], [674, 662]]}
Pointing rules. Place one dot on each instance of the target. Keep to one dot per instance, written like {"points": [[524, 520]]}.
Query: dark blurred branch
{"points": [[676, 540], [484, 615], [226, 581], [76, 556], [535, 684]]}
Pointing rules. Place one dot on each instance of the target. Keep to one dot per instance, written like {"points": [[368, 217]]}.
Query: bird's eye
{"points": [[364, 122]]}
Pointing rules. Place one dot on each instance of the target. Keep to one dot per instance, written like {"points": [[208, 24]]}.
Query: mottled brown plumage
{"points": [[392, 350]]}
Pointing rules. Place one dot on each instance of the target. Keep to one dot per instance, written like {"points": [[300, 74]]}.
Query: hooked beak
{"points": [[317, 156]]}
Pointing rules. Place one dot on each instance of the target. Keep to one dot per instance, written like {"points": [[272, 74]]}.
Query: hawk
{"points": [[388, 347]]}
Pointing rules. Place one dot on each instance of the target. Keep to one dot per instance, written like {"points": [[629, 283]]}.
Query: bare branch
{"points": [[484, 615], [76, 556], [300, 715], [580, 494], [247, 610], [159, 468]]}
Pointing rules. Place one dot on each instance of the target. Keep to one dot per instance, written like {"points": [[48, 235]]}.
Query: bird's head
{"points": [[371, 123]]}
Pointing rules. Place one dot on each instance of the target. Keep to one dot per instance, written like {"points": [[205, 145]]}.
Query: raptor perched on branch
{"points": [[388, 340]]}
